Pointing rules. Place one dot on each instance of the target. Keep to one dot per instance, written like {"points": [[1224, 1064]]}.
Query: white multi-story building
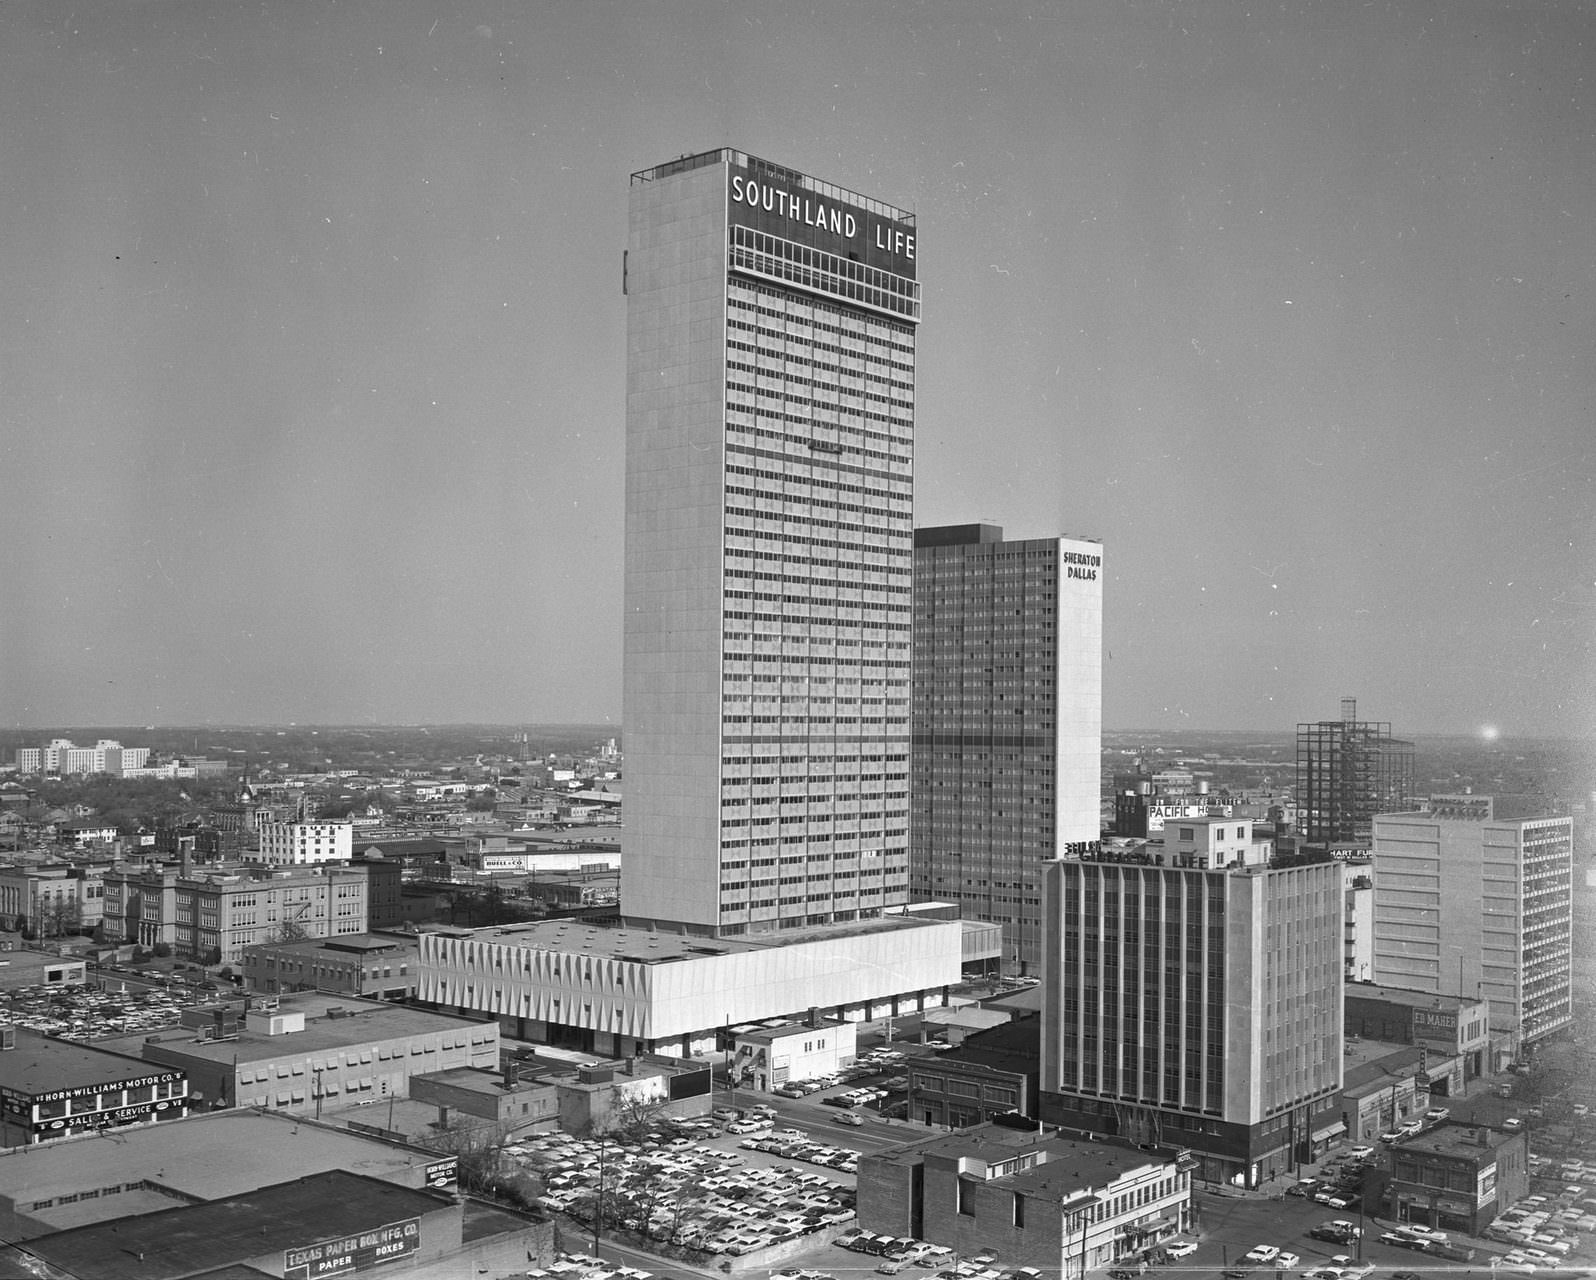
{"points": [[1477, 906], [1007, 720], [62, 756], [294, 844], [770, 415]]}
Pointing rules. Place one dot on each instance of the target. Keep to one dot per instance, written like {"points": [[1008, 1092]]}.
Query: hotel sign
{"points": [[344, 1254], [781, 205]]}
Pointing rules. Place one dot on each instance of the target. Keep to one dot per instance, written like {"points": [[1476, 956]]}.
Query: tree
{"points": [[161, 950], [214, 957], [289, 931], [60, 917], [479, 1147]]}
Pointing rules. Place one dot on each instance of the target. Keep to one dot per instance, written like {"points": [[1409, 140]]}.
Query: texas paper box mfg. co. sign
{"points": [[345, 1254]]}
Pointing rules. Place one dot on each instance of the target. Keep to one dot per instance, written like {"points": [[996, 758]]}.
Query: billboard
{"points": [[344, 1254], [786, 204], [690, 1084], [441, 1175]]}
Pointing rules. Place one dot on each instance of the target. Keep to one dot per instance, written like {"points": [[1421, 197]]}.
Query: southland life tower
{"points": [[769, 548]]}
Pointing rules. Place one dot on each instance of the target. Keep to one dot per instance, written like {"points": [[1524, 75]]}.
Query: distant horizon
{"points": [[614, 729]]}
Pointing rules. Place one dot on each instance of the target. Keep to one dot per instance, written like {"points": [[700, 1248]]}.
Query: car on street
{"points": [[848, 1117], [1361, 1153], [1261, 1253], [1286, 1261], [1304, 1188], [1181, 1249], [1406, 1275], [1423, 1232]]}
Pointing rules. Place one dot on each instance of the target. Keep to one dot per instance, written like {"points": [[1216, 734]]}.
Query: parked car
{"points": [[1181, 1249], [1261, 1253], [1306, 1187]]}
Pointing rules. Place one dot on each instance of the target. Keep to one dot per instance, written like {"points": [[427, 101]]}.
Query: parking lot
{"points": [[688, 1184], [85, 1013]]}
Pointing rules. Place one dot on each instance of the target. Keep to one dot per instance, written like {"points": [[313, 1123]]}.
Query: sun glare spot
{"points": [[1489, 732]]}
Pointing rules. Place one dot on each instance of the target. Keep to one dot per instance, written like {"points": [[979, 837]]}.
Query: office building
{"points": [[1348, 770], [1195, 999], [769, 444], [54, 899], [1480, 908], [1007, 717]]}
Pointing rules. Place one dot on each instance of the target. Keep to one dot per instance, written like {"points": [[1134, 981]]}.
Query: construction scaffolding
{"points": [[1348, 770]]}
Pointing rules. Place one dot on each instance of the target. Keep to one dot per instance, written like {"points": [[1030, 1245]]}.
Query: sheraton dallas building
{"points": [[769, 567]]}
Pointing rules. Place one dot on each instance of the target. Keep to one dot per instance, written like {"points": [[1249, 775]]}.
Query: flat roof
{"points": [[41, 1064], [1374, 1062], [642, 945], [1453, 1138], [1072, 1164], [1405, 996], [347, 942], [201, 1237], [199, 1156], [362, 1022]]}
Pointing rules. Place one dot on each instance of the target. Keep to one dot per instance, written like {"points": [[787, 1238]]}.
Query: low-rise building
{"points": [[1453, 1029], [331, 1223], [50, 1188], [626, 990], [316, 1051], [765, 1057], [381, 967], [1457, 1177], [1383, 1087], [54, 898], [1063, 1205], [52, 1089], [990, 1073], [38, 969]]}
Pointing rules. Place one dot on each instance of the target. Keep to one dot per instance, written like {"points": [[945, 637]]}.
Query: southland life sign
{"points": [[783, 206]]}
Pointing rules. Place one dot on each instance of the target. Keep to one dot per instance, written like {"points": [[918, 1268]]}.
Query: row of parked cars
{"points": [[874, 1062], [794, 1144], [1543, 1229], [689, 1194], [84, 1013]]}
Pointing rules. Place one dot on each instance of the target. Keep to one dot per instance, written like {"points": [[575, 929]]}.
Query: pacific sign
{"points": [[807, 217]]}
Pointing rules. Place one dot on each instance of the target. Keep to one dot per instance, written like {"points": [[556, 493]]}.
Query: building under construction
{"points": [[1348, 770]]}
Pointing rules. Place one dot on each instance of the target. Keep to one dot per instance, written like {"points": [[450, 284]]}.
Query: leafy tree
{"points": [[161, 950], [214, 957]]}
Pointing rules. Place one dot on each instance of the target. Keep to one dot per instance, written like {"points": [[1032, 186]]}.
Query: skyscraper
{"points": [[1348, 770], [1473, 905], [769, 446], [1194, 998], [1007, 719]]}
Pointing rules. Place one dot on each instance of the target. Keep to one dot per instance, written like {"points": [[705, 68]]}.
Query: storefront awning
{"points": [[1329, 1131], [1142, 1228]]}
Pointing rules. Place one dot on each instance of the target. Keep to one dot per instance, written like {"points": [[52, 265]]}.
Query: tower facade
{"points": [[769, 447], [1479, 906], [1194, 998], [1007, 713], [1348, 770]]}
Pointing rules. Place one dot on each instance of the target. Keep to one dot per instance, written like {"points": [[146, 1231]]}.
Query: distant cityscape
{"points": [[864, 828]]}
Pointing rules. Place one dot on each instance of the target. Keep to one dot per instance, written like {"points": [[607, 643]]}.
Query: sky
{"points": [[312, 343]]}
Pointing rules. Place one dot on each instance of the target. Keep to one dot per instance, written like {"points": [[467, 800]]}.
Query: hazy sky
{"points": [[311, 352]]}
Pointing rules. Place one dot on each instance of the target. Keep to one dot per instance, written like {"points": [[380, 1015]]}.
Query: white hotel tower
{"points": [[769, 548]]}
